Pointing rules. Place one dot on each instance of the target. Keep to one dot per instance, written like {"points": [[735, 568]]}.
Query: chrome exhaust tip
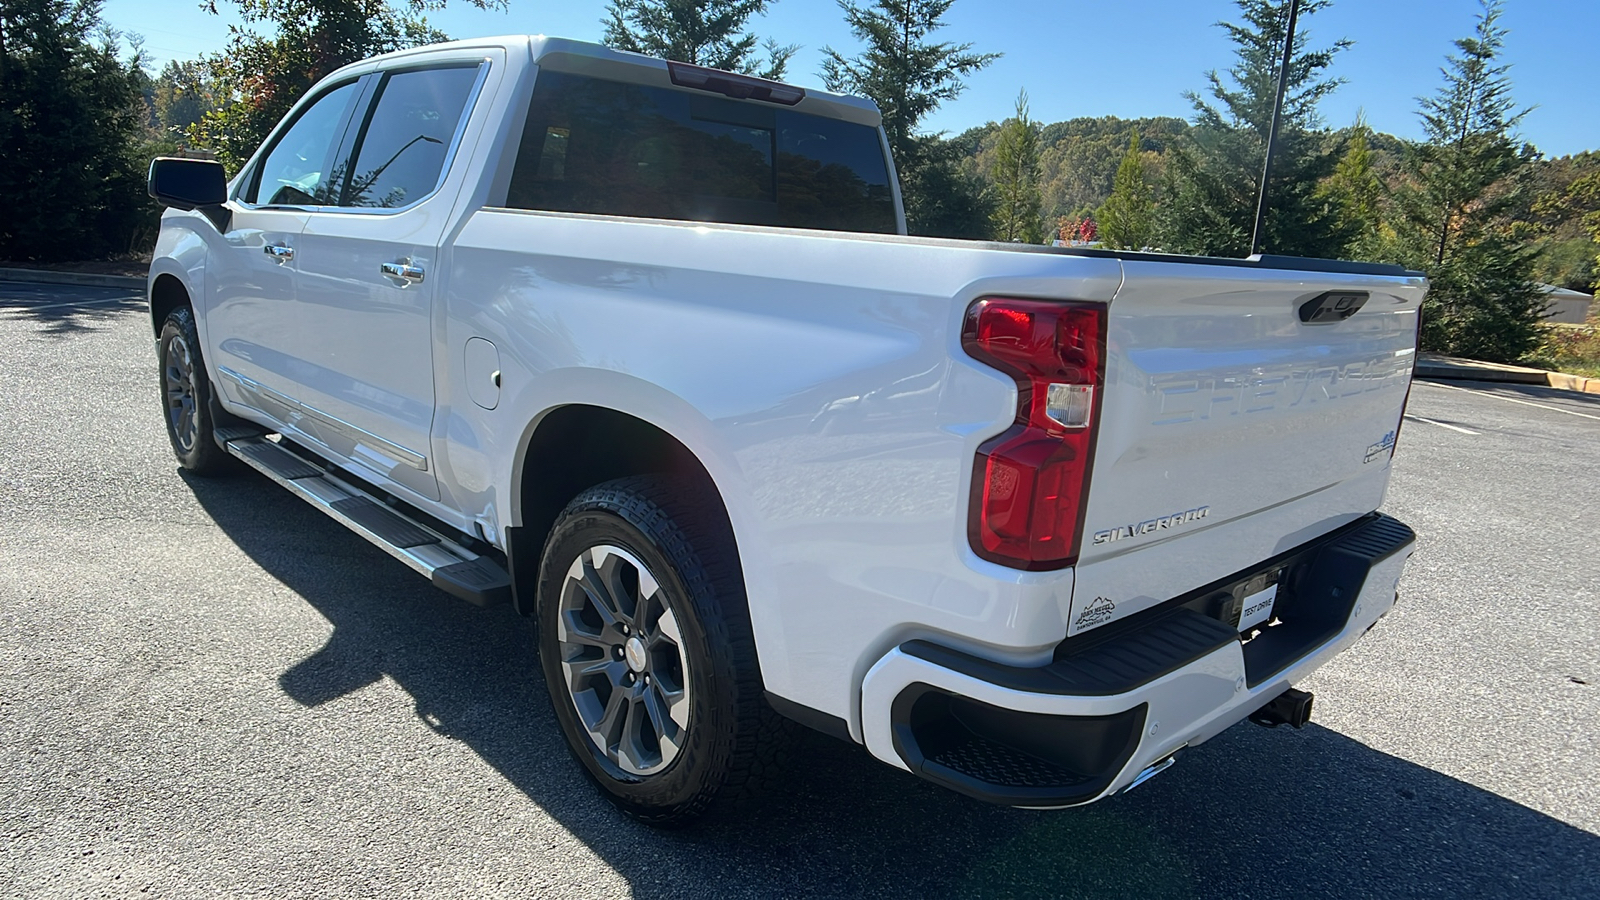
{"points": [[1151, 771]]}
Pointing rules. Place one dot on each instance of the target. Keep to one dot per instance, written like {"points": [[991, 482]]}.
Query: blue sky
{"points": [[1092, 59]]}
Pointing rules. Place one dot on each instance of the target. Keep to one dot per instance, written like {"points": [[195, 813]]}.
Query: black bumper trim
{"points": [[1318, 592], [1320, 583], [815, 719], [1172, 641], [1008, 757]]}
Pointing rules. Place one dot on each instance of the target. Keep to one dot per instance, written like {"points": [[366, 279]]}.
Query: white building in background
{"points": [[1566, 305]]}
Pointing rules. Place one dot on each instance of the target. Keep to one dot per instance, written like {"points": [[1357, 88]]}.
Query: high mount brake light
{"points": [[739, 87], [1029, 485]]}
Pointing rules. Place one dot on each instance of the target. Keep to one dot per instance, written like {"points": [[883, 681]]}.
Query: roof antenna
{"points": [[1272, 132]]}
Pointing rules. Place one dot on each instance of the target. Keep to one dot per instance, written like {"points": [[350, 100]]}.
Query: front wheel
{"points": [[645, 642], [186, 392]]}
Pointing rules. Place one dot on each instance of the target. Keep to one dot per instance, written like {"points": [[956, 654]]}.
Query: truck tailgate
{"points": [[1231, 430]]}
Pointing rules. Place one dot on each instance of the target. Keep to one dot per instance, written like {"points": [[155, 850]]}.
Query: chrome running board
{"points": [[451, 566]]}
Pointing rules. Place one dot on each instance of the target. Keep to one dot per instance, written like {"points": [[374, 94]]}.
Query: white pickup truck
{"points": [[644, 349]]}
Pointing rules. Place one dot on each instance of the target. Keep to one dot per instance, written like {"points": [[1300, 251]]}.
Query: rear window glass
{"points": [[595, 146]]}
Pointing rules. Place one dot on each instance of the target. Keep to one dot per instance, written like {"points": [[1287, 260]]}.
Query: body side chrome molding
{"points": [[358, 435]]}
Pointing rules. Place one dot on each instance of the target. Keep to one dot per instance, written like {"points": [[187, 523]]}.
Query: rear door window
{"points": [[407, 137], [611, 148]]}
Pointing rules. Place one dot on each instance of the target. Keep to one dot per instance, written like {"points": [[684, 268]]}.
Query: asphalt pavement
{"points": [[209, 690]]}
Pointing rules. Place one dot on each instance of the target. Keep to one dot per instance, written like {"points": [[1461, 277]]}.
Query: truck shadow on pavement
{"points": [[1255, 813]]}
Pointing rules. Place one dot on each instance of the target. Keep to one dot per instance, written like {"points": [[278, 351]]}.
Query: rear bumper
{"points": [[1108, 709]]}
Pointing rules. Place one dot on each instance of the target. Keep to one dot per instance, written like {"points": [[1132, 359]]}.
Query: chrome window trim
{"points": [[473, 95]]}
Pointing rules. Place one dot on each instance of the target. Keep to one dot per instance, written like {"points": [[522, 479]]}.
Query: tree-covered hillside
{"points": [[1078, 158]]}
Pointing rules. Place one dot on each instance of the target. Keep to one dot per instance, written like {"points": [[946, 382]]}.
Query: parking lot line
{"points": [[30, 307], [1515, 400], [1440, 424]]}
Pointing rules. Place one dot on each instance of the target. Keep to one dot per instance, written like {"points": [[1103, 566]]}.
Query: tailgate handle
{"points": [[1331, 307]]}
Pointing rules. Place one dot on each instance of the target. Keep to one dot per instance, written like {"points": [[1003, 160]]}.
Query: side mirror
{"points": [[188, 183]]}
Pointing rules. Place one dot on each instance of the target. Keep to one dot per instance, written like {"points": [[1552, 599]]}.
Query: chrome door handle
{"points": [[404, 271], [280, 252]]}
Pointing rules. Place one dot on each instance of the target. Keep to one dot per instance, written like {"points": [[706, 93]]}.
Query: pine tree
{"points": [[699, 32], [943, 196], [1465, 184], [1213, 183], [1016, 176], [1356, 195], [903, 71], [1127, 218], [909, 75], [71, 118]]}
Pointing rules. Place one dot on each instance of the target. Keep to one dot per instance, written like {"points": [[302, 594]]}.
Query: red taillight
{"points": [[1030, 483]]}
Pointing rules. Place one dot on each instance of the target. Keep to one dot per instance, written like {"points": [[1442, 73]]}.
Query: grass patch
{"points": [[1574, 349]]}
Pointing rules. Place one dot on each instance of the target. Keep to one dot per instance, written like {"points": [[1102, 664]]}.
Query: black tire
{"points": [[187, 404], [732, 739]]}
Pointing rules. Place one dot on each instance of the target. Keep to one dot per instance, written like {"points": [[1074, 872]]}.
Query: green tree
{"points": [[1078, 158], [1213, 182], [1127, 218], [699, 32], [1465, 185], [943, 196], [1567, 199], [909, 75], [1016, 176], [1585, 195], [71, 118], [180, 96], [1356, 195], [258, 77]]}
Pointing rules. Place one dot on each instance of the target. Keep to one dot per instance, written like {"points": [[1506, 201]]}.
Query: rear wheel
{"points": [[645, 642], [186, 392]]}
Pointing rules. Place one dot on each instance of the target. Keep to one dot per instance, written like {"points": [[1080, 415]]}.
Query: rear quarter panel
{"points": [[819, 379]]}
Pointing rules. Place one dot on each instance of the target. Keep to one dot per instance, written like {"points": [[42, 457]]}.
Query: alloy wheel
{"points": [[623, 660], [183, 411]]}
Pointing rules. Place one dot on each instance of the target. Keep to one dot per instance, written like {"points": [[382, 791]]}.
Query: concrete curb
{"points": [[45, 276], [1448, 368], [1574, 383]]}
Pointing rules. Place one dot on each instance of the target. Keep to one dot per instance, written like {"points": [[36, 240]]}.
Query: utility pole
{"points": [[1272, 131]]}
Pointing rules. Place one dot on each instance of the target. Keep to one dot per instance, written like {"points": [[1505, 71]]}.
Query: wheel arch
{"points": [[167, 292], [573, 447]]}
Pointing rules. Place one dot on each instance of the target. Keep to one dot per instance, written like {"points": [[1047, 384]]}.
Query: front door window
{"points": [[299, 169]]}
